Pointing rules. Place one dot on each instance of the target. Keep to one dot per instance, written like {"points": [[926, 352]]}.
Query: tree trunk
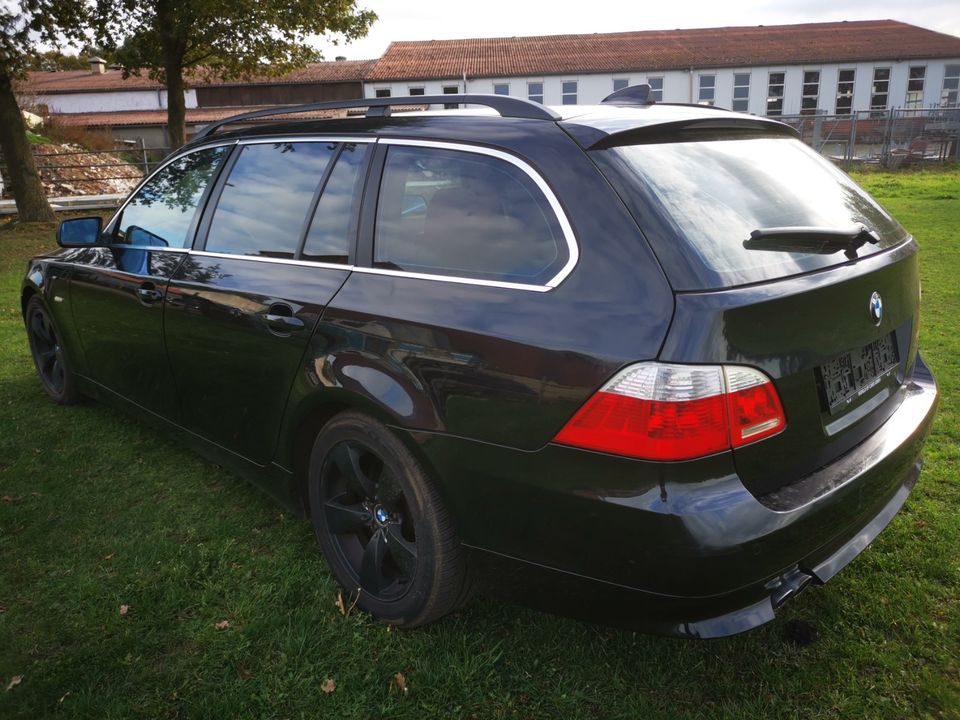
{"points": [[21, 172], [176, 107]]}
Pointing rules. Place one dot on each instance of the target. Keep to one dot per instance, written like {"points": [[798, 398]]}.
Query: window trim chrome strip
{"points": [[452, 279], [280, 261], [573, 249]]}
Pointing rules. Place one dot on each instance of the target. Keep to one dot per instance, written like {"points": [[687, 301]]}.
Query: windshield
{"points": [[698, 202]]}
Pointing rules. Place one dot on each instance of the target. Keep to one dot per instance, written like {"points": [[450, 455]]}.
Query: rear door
{"points": [[117, 290], [241, 308]]}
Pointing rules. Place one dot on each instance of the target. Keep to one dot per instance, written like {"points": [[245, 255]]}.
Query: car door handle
{"points": [[148, 293], [283, 323]]}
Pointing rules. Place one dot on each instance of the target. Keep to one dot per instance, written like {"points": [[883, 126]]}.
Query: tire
{"points": [[49, 357], [382, 525]]}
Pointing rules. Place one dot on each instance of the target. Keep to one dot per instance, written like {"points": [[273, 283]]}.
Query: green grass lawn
{"points": [[98, 512]]}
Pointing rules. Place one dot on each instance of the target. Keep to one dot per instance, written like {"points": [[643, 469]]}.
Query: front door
{"points": [[117, 289]]}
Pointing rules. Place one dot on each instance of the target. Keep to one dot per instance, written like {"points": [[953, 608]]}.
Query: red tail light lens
{"points": [[676, 412]]}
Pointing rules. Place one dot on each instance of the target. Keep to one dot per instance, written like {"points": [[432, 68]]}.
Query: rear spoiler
{"points": [[679, 131]]}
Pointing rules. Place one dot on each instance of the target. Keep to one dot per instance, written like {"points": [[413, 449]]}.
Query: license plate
{"points": [[853, 374]]}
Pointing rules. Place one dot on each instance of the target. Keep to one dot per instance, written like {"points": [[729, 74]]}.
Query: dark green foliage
{"points": [[224, 38]]}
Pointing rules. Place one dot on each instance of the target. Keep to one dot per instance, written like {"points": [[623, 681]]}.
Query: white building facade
{"points": [[837, 88], [827, 68]]}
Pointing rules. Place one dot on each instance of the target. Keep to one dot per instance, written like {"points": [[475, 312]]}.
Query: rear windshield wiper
{"points": [[819, 240]]}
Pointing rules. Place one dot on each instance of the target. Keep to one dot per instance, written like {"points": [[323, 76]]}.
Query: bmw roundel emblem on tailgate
{"points": [[876, 308]]}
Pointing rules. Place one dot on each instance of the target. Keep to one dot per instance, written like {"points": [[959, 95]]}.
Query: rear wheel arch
{"points": [[312, 422]]}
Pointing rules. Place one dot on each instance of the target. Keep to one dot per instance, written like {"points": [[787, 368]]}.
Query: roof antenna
{"points": [[633, 95]]}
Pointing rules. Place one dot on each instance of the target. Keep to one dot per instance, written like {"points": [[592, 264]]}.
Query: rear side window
{"points": [[161, 212], [464, 214], [710, 195], [263, 207]]}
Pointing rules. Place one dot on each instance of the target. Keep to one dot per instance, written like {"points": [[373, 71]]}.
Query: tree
{"points": [[22, 24], [227, 39]]}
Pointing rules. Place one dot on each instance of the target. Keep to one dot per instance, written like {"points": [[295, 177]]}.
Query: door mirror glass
{"points": [[79, 232]]}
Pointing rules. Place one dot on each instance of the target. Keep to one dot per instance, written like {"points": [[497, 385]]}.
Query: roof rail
{"points": [[380, 107], [632, 95]]}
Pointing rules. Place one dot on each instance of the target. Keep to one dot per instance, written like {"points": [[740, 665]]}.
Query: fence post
{"points": [[143, 154], [816, 141]]}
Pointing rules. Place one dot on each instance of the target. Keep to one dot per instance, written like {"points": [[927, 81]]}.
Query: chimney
{"points": [[98, 65], [340, 58]]}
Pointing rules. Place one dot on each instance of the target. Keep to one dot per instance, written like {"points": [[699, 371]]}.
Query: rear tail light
{"points": [[656, 411]]}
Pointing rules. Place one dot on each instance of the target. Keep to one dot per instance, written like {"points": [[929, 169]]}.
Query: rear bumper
{"points": [[679, 548]]}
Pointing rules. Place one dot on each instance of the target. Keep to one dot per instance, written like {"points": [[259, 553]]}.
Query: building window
{"points": [[535, 92], [620, 84], [451, 90], [811, 92], [383, 92], [416, 91], [501, 88], [775, 93], [951, 86], [656, 88], [741, 92], [569, 89], [881, 89], [708, 87], [845, 91], [950, 96], [914, 99]]}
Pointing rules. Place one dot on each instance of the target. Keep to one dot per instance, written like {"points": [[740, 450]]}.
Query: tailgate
{"points": [[836, 369]]}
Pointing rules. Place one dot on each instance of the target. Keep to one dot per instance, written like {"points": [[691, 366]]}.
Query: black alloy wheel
{"points": [[49, 357], [369, 520], [382, 525]]}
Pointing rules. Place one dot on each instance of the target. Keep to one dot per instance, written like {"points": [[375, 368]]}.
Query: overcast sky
{"points": [[446, 19]]}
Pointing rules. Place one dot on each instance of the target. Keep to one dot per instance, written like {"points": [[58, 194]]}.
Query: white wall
{"points": [[92, 102], [682, 86]]}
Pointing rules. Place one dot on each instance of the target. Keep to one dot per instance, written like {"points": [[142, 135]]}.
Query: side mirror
{"points": [[79, 232]]}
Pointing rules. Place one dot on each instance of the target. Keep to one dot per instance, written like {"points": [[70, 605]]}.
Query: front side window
{"points": [[775, 93], [569, 89], [708, 87], [264, 203], [741, 92], [464, 214], [845, 81], [811, 92], [881, 89], [656, 88], [914, 98], [163, 210], [501, 88], [951, 87], [535, 91], [332, 230]]}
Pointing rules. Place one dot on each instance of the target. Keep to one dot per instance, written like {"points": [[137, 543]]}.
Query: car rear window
{"points": [[697, 202]]}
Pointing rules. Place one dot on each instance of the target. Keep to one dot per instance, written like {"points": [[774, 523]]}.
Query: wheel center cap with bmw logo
{"points": [[876, 308]]}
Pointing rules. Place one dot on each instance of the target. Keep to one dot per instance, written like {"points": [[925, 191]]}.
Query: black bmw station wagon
{"points": [[655, 359]]}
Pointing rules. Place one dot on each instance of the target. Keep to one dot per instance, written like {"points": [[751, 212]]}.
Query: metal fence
{"points": [[90, 172], [891, 138]]}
